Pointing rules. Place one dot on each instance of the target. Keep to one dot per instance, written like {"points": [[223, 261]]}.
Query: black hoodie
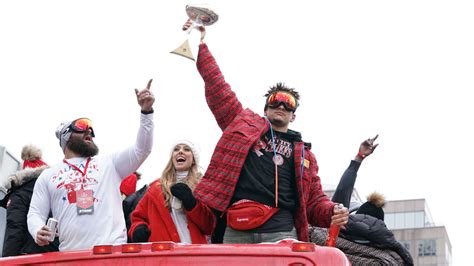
{"points": [[257, 179]]}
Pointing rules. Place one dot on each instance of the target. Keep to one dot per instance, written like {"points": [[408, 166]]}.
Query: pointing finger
{"points": [[149, 84]]}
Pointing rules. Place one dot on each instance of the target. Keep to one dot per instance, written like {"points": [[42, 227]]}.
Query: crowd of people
{"points": [[261, 184]]}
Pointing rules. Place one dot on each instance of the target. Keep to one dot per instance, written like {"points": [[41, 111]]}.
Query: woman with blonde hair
{"points": [[168, 211]]}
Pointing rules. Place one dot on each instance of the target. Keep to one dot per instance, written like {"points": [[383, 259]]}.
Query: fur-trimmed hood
{"points": [[23, 176], [15, 181]]}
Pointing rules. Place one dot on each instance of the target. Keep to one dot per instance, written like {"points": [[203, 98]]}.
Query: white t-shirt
{"points": [[56, 189]]}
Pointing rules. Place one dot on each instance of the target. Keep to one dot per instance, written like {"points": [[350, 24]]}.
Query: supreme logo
{"points": [[242, 219]]}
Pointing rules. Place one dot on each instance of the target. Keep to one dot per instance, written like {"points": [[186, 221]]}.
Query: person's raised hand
{"points": [[145, 98], [366, 148], [189, 23]]}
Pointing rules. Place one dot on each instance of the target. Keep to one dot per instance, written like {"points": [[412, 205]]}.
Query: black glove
{"points": [[141, 233], [184, 193]]}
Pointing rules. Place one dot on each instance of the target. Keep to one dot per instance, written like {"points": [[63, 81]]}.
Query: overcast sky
{"points": [[400, 69]]}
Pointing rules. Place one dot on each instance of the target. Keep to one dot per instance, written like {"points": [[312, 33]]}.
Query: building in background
{"points": [[412, 224], [8, 165]]}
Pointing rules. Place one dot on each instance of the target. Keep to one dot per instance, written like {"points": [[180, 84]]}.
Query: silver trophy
{"points": [[200, 16]]}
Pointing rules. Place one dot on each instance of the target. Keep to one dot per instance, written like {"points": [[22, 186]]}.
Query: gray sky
{"points": [[401, 69]]}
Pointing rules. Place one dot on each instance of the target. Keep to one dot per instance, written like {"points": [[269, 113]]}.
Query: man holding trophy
{"points": [[262, 177]]}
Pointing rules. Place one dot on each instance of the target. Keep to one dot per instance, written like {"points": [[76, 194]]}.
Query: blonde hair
{"points": [[168, 179]]}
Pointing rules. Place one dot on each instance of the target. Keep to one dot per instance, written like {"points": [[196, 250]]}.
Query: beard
{"points": [[84, 149]]}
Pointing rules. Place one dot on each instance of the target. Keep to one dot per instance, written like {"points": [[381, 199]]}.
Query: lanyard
{"points": [[77, 168], [274, 159]]}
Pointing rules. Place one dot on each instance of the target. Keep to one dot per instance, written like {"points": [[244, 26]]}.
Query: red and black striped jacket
{"points": [[242, 128]]}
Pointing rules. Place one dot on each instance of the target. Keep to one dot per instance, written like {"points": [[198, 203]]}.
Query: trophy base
{"points": [[184, 50]]}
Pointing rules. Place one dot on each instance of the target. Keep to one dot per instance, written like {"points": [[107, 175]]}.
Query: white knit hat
{"points": [[194, 148], [63, 133]]}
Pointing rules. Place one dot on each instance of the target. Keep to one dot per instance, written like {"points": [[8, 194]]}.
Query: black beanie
{"points": [[373, 206]]}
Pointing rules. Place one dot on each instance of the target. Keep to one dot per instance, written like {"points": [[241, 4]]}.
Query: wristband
{"points": [[361, 155], [148, 112]]}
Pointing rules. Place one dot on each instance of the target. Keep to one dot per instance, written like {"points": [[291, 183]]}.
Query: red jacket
{"points": [[151, 211], [242, 128]]}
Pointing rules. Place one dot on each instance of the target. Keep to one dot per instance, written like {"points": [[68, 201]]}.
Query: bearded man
{"points": [[83, 190]]}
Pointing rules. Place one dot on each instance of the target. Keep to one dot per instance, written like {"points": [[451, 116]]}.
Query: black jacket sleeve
{"points": [[344, 189], [130, 203], [16, 232], [127, 206]]}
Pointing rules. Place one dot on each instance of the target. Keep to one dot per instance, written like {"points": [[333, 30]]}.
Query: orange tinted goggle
{"points": [[82, 125], [282, 98]]}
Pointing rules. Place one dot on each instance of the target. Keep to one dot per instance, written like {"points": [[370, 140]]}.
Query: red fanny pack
{"points": [[248, 214]]}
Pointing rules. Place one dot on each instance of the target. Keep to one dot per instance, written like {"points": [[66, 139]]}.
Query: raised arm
{"points": [[131, 158], [346, 184], [222, 101], [220, 98]]}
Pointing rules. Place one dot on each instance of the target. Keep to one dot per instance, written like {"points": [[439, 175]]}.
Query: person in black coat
{"points": [[367, 227], [130, 203], [20, 186]]}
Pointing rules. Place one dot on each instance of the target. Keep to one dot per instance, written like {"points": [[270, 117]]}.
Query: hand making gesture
{"points": [[366, 148], [145, 98]]}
